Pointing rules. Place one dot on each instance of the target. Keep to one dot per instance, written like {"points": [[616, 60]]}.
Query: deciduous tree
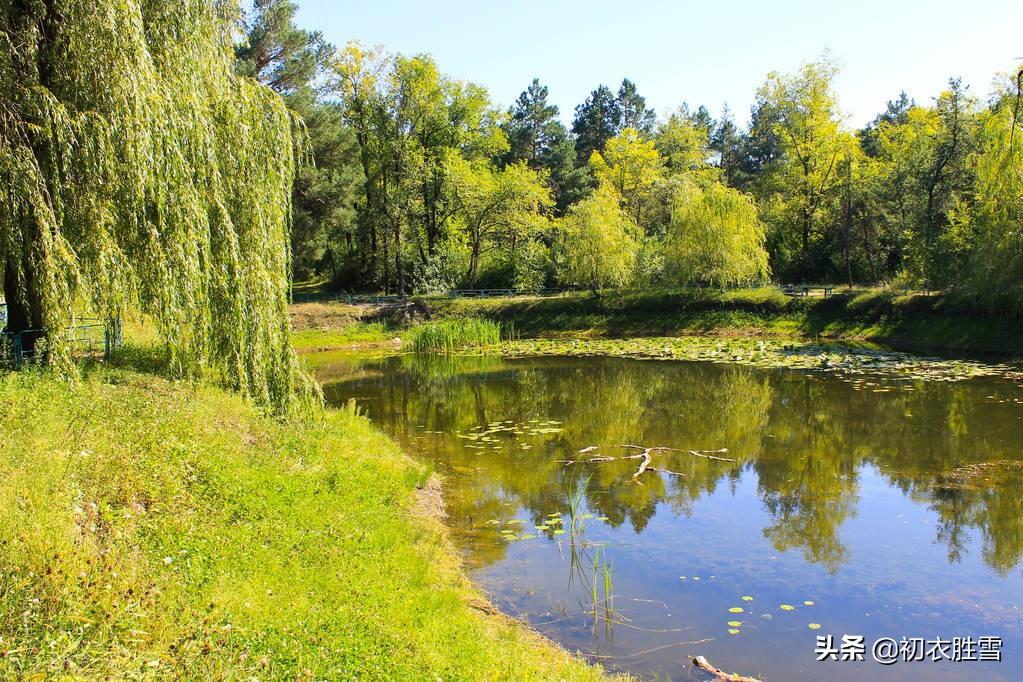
{"points": [[599, 242]]}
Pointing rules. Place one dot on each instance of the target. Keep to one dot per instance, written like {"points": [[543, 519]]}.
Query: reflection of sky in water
{"points": [[814, 510]]}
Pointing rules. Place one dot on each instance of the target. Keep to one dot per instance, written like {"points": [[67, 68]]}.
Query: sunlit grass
{"points": [[151, 529], [330, 339], [451, 335]]}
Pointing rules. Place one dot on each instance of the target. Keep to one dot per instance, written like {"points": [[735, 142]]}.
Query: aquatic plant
{"points": [[576, 504], [452, 335]]}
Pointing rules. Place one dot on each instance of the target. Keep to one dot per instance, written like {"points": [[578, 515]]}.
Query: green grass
{"points": [[356, 333], [158, 530], [453, 334], [910, 322]]}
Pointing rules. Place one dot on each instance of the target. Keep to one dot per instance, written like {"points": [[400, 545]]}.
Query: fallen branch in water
{"points": [[703, 664], [709, 454], [647, 459], [647, 456], [666, 471], [705, 454]]}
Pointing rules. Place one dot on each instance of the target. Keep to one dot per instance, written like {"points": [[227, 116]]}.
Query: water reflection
{"points": [[813, 453]]}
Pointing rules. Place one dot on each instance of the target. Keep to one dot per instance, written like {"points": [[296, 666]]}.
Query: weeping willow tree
{"points": [[714, 237], [138, 172]]}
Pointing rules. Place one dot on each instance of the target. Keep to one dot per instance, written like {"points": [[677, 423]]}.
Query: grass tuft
{"points": [[452, 335]]}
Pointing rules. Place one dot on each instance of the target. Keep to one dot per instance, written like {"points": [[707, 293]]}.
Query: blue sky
{"points": [[701, 52]]}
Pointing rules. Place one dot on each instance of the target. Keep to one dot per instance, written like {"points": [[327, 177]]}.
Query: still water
{"points": [[873, 506]]}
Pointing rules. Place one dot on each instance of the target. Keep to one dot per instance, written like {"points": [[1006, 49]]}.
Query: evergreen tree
{"points": [[634, 112], [290, 60], [537, 137], [277, 53], [597, 120]]}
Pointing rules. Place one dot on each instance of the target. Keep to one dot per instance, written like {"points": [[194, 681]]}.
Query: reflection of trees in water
{"points": [[806, 437], [969, 472], [807, 470]]}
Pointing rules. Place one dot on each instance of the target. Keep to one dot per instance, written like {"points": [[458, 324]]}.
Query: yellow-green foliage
{"points": [[137, 170], [599, 242], [455, 334], [151, 530], [997, 266], [715, 237], [632, 167]]}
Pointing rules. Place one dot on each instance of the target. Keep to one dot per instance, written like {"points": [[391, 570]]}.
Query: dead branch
{"points": [[705, 454], [647, 459], [646, 455], [719, 674], [709, 454], [666, 471]]}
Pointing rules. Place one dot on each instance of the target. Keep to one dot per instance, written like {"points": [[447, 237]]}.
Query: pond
{"points": [[793, 505]]}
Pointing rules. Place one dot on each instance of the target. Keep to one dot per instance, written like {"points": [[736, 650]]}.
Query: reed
{"points": [[448, 336]]}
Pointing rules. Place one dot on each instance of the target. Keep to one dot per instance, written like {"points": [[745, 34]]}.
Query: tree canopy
{"points": [[140, 171], [151, 152]]}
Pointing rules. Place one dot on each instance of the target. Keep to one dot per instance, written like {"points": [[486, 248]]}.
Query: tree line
{"points": [[421, 183]]}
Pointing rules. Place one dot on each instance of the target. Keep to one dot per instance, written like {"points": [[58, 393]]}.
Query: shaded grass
{"points": [[150, 529], [910, 322]]}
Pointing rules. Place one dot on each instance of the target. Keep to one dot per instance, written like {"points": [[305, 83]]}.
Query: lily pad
{"points": [[808, 603], [787, 607], [734, 623], [733, 631], [814, 626], [747, 598], [736, 609]]}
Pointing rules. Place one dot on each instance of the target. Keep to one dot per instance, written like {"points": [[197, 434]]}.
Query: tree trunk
{"points": [[870, 253], [399, 269], [24, 308], [848, 222], [474, 260]]}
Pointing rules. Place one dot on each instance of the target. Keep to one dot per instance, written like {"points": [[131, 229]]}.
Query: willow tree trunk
{"points": [[24, 308], [21, 293]]}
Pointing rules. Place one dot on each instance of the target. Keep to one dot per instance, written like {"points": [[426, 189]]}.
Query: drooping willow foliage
{"points": [[139, 172], [714, 237]]}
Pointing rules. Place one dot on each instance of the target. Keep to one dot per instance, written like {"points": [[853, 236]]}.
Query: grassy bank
{"points": [[915, 322], [327, 326], [150, 529]]}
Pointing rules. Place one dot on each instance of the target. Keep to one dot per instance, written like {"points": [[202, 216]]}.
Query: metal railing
{"points": [[800, 291], [90, 337], [381, 299], [502, 293]]}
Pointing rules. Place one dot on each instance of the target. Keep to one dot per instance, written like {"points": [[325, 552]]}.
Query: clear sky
{"points": [[706, 52]]}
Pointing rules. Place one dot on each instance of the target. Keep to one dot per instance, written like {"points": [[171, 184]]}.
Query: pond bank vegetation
{"points": [[151, 528]]}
